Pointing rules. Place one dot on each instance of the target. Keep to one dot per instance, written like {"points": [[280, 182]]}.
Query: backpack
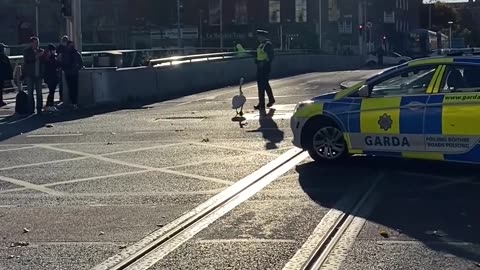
{"points": [[21, 105]]}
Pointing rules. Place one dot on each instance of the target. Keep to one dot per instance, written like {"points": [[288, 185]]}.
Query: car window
{"points": [[461, 78], [407, 82]]}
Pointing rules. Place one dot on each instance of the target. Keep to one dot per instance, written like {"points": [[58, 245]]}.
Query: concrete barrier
{"points": [[118, 86]]}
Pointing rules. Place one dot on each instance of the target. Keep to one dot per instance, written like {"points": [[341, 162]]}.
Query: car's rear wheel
{"points": [[325, 142]]}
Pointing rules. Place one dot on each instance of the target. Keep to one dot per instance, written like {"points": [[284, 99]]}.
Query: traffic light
{"points": [[66, 8], [360, 29]]}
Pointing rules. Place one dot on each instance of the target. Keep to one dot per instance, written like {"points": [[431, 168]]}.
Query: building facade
{"points": [[337, 26]]}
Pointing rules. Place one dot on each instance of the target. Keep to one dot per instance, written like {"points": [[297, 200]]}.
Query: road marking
{"points": [[95, 178], [54, 135], [211, 179], [42, 163], [223, 159], [145, 148], [31, 186], [160, 243], [265, 152], [101, 194], [17, 149]]}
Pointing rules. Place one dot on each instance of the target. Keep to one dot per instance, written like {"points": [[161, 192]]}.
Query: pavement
{"points": [[79, 187]]}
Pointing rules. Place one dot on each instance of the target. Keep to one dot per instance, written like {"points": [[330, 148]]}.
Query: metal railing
{"points": [[175, 60]]}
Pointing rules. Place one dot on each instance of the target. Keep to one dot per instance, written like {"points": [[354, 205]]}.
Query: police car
{"points": [[425, 109]]}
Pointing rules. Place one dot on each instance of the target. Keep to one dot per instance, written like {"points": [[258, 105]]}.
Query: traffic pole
{"points": [[77, 24], [179, 30], [37, 3], [320, 41], [221, 25]]}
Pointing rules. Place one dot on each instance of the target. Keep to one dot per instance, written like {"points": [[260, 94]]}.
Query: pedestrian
{"points": [[265, 55], [50, 75], [6, 72], [33, 72], [72, 63], [61, 48], [380, 53]]}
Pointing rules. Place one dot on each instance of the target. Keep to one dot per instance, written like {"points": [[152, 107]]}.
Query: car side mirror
{"points": [[364, 91]]}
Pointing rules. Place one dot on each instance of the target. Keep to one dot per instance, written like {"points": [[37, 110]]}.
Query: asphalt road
{"points": [[77, 188]]}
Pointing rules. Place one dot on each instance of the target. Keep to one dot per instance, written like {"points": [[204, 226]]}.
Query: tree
{"points": [[441, 15]]}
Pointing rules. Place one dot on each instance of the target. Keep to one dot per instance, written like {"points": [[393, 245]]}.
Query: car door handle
{"points": [[415, 106]]}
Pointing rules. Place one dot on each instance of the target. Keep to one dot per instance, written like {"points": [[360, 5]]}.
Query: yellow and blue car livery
{"points": [[425, 109]]}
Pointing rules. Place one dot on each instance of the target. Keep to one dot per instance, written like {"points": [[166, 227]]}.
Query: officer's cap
{"points": [[262, 32]]}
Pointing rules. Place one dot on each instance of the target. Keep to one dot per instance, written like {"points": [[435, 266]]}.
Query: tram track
{"points": [[329, 243], [154, 247]]}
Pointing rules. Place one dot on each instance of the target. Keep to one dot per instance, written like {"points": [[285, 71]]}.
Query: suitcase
{"points": [[21, 103]]}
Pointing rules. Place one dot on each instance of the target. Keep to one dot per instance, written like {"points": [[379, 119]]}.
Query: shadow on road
{"points": [[435, 203], [15, 124], [269, 129]]}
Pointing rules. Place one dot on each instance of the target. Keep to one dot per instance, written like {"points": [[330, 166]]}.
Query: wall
{"points": [[147, 84]]}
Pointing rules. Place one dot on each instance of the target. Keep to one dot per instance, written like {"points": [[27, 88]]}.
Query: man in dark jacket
{"points": [[72, 63], [6, 72], [264, 58], [33, 72], [50, 75]]}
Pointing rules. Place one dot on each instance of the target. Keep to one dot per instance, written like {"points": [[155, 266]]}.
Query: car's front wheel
{"points": [[326, 143]]}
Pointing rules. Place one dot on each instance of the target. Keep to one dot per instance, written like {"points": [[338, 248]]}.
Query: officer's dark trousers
{"points": [[263, 76]]}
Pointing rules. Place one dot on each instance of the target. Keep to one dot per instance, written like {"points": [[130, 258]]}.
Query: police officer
{"points": [[265, 55]]}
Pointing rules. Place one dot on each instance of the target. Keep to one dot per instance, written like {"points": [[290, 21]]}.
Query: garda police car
{"points": [[426, 109]]}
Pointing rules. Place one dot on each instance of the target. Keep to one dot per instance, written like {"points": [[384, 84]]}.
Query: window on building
{"points": [[214, 12], [345, 26], [241, 12], [274, 10], [301, 11]]}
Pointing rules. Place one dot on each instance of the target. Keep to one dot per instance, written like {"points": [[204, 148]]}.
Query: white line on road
{"points": [[41, 163], [31, 186], [95, 178], [86, 155], [16, 149], [54, 135]]}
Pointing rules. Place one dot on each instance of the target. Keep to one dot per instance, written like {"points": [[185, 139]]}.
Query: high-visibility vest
{"points": [[261, 54]]}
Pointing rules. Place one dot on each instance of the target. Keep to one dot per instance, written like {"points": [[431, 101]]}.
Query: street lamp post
{"points": [[221, 25], [37, 3], [450, 23], [320, 41], [179, 30]]}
